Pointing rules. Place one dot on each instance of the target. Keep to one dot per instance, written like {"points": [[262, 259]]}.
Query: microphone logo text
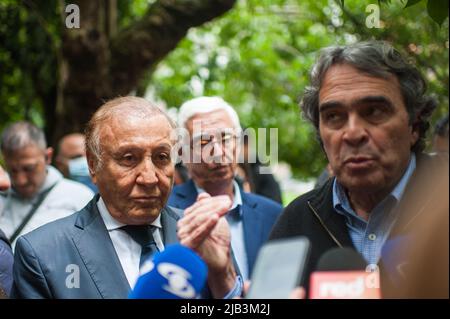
{"points": [[177, 280]]}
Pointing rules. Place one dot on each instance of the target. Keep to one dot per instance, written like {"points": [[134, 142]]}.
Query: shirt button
{"points": [[372, 236]]}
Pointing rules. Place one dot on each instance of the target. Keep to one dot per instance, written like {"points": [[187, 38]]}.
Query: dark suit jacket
{"points": [[46, 258], [259, 215]]}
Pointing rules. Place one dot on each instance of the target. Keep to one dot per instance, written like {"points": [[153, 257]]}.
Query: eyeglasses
{"points": [[223, 138]]}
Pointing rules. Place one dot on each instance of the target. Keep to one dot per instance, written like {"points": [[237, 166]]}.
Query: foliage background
{"points": [[256, 57]]}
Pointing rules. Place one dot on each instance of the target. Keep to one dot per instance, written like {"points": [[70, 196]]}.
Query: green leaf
{"points": [[438, 10], [410, 3]]}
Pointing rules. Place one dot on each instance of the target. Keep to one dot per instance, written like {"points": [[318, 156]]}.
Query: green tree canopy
{"points": [[257, 56]]}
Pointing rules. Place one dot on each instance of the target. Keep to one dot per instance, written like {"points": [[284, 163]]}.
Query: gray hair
{"points": [[378, 59], [206, 104], [20, 135], [121, 106]]}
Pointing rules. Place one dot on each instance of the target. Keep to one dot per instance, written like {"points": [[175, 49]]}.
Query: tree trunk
{"points": [[99, 62]]}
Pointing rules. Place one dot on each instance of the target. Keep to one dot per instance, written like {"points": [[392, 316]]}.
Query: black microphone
{"points": [[341, 274], [338, 259]]}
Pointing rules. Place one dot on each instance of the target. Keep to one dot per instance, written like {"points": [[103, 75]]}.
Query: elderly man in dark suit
{"points": [[251, 216], [96, 253]]}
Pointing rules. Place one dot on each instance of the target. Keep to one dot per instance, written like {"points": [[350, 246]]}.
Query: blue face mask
{"points": [[79, 171]]}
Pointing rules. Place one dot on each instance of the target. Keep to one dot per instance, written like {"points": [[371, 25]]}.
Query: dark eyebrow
{"points": [[164, 146], [379, 99], [329, 105]]}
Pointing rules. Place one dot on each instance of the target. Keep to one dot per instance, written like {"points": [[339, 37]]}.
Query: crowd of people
{"points": [[114, 196]]}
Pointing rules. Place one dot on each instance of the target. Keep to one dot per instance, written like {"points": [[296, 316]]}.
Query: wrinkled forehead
{"points": [[72, 144], [214, 122], [135, 127], [28, 155]]}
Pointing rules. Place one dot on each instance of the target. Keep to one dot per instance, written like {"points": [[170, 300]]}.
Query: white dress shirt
{"points": [[128, 251]]}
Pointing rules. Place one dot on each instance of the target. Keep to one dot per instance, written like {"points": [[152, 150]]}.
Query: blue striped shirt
{"points": [[369, 236]]}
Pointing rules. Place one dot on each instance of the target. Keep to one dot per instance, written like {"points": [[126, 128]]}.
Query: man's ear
{"points": [[48, 155], [92, 164], [414, 134]]}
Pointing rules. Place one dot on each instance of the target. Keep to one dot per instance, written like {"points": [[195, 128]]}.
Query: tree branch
{"points": [[146, 42]]}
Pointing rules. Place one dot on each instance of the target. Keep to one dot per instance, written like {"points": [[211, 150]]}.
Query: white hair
{"points": [[206, 104]]}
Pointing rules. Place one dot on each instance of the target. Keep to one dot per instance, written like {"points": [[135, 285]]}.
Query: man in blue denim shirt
{"points": [[371, 114]]}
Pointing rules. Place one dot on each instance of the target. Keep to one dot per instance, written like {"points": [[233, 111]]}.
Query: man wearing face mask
{"points": [[39, 193], [71, 160]]}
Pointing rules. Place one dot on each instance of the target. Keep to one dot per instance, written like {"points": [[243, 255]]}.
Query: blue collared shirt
{"points": [[234, 219], [369, 236]]}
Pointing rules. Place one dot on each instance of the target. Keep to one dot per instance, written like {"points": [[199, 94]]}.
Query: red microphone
{"points": [[342, 274]]}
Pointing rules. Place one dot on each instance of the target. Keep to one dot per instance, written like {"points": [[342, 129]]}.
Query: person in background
{"points": [[181, 174], [251, 179], [71, 160], [38, 193], [251, 216], [6, 255]]}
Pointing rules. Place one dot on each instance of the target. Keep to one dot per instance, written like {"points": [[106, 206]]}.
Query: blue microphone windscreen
{"points": [[176, 273]]}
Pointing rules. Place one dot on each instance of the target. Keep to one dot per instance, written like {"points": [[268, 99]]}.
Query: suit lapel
{"points": [[98, 254], [252, 221], [185, 195]]}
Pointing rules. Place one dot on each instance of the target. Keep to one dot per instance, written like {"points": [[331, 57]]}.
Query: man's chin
{"points": [[25, 194], [143, 216], [360, 185]]}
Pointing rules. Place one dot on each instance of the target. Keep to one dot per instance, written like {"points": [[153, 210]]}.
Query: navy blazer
{"points": [[47, 258], [258, 216]]}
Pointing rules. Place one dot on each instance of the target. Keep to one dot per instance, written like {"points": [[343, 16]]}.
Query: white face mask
{"points": [[79, 172], [78, 168]]}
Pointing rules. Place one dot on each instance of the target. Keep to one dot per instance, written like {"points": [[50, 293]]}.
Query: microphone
{"points": [[175, 273], [342, 274]]}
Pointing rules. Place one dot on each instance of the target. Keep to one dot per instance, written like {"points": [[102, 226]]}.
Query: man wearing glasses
{"points": [[214, 130]]}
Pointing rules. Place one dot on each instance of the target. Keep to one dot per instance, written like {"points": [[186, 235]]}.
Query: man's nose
{"points": [[355, 131], [20, 179], [147, 173], [220, 153], [217, 151]]}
